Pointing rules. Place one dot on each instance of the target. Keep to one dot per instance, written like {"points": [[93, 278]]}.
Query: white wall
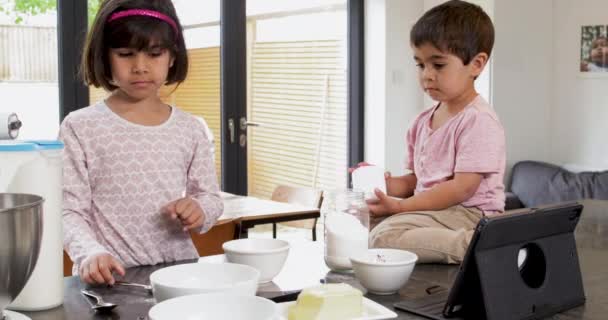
{"points": [[392, 95], [549, 112], [375, 71], [579, 122], [523, 76], [404, 96]]}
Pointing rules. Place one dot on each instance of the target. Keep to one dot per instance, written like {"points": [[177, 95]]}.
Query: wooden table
{"points": [[250, 211], [305, 267], [242, 213]]}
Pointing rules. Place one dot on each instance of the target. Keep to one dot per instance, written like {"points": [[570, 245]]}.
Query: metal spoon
{"points": [[100, 305], [131, 284]]}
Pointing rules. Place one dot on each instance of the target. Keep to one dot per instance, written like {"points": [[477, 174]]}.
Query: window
{"points": [[297, 93], [28, 70]]}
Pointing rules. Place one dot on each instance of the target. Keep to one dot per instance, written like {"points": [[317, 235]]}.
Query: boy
{"points": [[456, 149], [598, 55]]}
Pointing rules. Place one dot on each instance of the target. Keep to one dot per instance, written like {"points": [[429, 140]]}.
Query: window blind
{"points": [[299, 96]]}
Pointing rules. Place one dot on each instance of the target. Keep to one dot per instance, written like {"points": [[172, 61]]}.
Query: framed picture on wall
{"points": [[594, 50]]}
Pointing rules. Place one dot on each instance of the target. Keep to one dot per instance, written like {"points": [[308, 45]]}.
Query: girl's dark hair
{"points": [[458, 27], [136, 32]]}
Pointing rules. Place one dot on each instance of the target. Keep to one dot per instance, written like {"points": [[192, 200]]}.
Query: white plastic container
{"points": [[35, 167]]}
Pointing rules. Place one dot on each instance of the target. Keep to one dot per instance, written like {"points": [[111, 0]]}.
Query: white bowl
{"points": [[384, 271], [214, 306], [266, 255], [193, 278]]}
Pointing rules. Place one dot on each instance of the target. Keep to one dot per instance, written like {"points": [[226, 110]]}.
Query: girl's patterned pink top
{"points": [[117, 177]]}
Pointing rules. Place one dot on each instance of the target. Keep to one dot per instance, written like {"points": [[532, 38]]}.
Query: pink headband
{"points": [[146, 13]]}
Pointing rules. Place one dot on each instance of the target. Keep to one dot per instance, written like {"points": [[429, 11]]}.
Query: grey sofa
{"points": [[537, 183]]}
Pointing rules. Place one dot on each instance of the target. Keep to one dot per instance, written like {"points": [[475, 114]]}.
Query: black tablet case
{"points": [[489, 284]]}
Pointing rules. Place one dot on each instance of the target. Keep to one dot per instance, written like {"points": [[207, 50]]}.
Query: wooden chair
{"points": [[211, 242], [302, 196], [67, 265]]}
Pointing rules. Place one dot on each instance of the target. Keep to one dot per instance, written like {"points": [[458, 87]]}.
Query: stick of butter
{"points": [[330, 301]]}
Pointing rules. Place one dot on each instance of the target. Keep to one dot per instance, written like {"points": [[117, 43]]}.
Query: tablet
{"points": [[515, 268]]}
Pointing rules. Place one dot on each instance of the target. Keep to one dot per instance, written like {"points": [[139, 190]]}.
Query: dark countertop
{"points": [[592, 243]]}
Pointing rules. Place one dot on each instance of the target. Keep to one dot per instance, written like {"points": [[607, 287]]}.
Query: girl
{"points": [[138, 174]]}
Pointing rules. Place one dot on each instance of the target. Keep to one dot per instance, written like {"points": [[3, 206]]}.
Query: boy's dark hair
{"points": [[458, 27], [136, 32]]}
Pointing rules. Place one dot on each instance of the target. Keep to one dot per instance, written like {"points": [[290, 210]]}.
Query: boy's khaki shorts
{"points": [[435, 236]]}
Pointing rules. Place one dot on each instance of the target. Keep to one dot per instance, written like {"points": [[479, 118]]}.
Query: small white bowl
{"points": [[266, 255], [194, 278], [384, 271], [215, 306]]}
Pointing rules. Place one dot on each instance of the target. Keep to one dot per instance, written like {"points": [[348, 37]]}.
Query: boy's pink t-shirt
{"points": [[471, 141]]}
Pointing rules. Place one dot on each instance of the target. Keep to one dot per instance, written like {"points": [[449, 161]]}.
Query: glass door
{"points": [[272, 81], [297, 95], [200, 93]]}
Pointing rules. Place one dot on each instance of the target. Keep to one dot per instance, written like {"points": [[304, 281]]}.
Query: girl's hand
{"points": [[98, 268], [383, 206], [188, 211]]}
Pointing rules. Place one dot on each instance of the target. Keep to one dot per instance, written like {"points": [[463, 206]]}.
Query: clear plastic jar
{"points": [[346, 224]]}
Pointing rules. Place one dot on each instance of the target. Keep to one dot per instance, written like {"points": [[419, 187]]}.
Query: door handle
{"points": [[245, 124], [231, 129]]}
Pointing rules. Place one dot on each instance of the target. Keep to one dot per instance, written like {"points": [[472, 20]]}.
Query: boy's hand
{"points": [[383, 206], [97, 269], [187, 210], [390, 183]]}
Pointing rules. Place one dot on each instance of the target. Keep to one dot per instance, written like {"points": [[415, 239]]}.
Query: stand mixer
{"points": [[30, 184], [20, 239]]}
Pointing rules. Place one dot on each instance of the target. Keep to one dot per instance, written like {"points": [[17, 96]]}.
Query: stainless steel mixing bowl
{"points": [[20, 236]]}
